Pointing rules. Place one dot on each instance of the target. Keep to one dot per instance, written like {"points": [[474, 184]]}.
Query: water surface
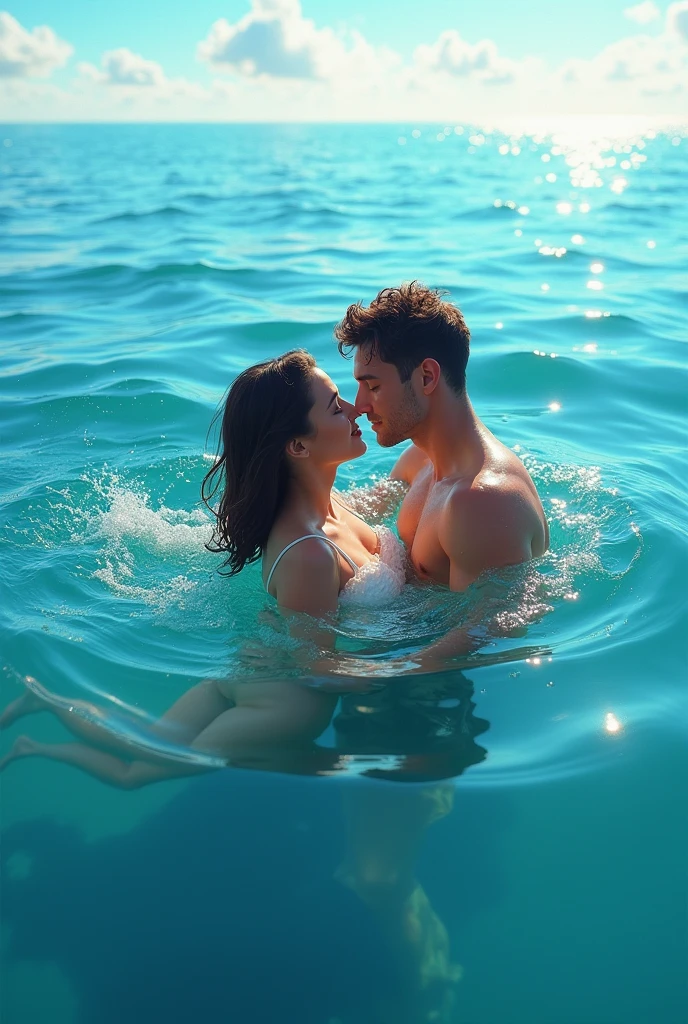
{"points": [[141, 268]]}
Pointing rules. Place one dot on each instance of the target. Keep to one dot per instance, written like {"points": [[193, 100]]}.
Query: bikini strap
{"points": [[309, 536]]}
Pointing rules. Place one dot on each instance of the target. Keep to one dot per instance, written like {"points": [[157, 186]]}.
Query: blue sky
{"points": [[552, 29], [340, 59]]}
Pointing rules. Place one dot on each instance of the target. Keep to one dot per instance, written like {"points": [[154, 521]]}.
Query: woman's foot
{"points": [[23, 746], [32, 699]]}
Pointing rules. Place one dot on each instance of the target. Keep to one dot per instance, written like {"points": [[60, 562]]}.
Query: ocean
{"points": [[141, 268]]}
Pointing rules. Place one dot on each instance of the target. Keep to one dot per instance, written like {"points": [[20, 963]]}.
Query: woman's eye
{"points": [[338, 408]]}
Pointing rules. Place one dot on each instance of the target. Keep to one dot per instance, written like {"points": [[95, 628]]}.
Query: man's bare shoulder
{"points": [[409, 464], [489, 524], [492, 494]]}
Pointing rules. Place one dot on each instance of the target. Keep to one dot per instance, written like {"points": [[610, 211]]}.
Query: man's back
{"points": [[457, 526]]}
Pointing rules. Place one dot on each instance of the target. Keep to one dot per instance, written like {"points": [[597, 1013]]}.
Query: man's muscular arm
{"points": [[484, 528], [409, 464]]}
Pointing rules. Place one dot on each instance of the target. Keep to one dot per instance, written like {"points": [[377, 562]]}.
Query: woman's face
{"points": [[336, 438]]}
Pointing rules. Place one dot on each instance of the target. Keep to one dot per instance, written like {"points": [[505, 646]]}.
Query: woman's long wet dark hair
{"points": [[267, 405]]}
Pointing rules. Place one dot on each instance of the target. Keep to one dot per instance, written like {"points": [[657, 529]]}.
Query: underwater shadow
{"points": [[222, 906]]}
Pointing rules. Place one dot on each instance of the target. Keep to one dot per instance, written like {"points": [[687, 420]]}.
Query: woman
{"points": [[285, 431]]}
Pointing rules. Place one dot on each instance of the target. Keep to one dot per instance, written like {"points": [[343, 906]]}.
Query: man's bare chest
{"points": [[418, 525]]}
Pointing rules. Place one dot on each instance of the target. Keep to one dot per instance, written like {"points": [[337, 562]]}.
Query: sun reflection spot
{"points": [[554, 406], [415, 133], [596, 268], [518, 232], [590, 347], [564, 208], [499, 325], [612, 723], [504, 149], [651, 245], [544, 287], [596, 286], [577, 239], [545, 158], [551, 178], [524, 210], [584, 207]]}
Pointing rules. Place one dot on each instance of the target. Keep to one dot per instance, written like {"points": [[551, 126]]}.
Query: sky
{"points": [[334, 60]]}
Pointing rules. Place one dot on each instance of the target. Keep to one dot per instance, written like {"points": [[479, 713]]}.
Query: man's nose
{"points": [[362, 401]]}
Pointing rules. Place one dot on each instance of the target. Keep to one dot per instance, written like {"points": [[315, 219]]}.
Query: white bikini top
{"points": [[378, 581]]}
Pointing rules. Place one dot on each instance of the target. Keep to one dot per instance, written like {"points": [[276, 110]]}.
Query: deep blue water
{"points": [[141, 267]]}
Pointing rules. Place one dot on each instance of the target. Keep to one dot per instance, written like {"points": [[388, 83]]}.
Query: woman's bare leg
{"points": [[187, 717], [279, 714], [107, 767]]}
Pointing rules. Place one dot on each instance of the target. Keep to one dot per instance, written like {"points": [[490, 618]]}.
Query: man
{"points": [[471, 504]]}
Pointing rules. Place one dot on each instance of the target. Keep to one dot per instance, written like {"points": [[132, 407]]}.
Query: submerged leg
{"points": [[385, 825], [239, 731], [27, 704], [107, 767], [187, 717]]}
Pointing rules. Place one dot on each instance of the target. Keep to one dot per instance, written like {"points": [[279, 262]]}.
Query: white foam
{"points": [[162, 531]]}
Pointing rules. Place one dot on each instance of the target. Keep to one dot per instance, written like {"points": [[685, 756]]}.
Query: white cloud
{"points": [[122, 67], [677, 20], [453, 55], [650, 65], [281, 65], [275, 40], [25, 54], [643, 13]]}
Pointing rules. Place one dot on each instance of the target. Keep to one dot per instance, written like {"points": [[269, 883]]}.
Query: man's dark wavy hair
{"points": [[406, 325]]}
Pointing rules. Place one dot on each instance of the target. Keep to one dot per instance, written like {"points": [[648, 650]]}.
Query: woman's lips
{"points": [[356, 432]]}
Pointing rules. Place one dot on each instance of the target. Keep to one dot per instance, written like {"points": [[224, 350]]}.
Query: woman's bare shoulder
{"points": [[306, 578]]}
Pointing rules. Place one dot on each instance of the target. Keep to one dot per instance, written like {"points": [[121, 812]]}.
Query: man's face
{"points": [[393, 408]]}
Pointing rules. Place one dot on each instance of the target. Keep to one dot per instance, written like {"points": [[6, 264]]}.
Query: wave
{"points": [[131, 216]]}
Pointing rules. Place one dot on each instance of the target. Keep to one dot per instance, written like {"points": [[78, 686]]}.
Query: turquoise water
{"points": [[141, 268]]}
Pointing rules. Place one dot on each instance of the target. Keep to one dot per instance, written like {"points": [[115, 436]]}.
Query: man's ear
{"points": [[297, 450], [431, 371]]}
